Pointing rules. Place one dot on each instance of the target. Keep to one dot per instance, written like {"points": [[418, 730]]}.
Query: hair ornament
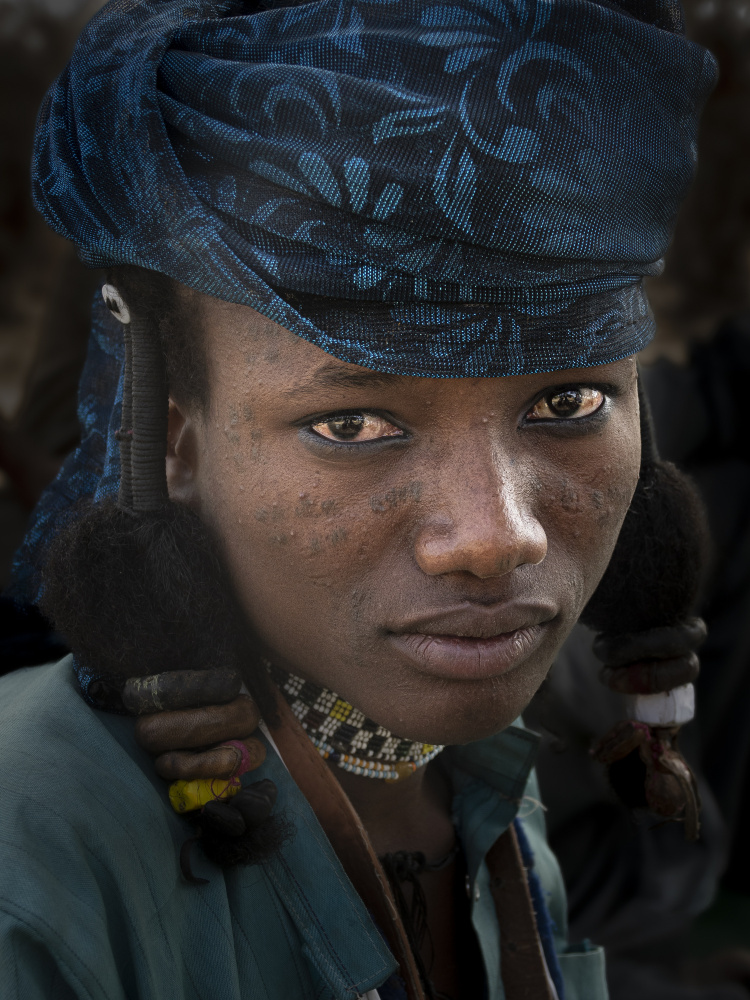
{"points": [[657, 643], [116, 304], [654, 669]]}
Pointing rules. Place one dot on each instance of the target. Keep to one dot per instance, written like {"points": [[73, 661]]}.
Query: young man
{"points": [[388, 273]]}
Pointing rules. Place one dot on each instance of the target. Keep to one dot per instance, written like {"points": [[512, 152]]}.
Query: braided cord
{"points": [[143, 437]]}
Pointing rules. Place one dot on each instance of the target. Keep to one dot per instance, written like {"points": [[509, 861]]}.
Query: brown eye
{"points": [[567, 404], [355, 427]]}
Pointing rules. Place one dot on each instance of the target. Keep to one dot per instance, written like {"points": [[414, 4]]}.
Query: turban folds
{"points": [[464, 188]]}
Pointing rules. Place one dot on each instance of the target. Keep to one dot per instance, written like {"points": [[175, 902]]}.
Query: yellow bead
{"points": [[403, 770], [341, 710], [186, 796]]}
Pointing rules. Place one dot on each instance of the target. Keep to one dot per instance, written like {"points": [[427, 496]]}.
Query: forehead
{"points": [[244, 347]]}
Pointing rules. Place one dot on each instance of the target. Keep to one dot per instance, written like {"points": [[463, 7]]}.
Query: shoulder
{"points": [[92, 900], [73, 777], [62, 762], [77, 807]]}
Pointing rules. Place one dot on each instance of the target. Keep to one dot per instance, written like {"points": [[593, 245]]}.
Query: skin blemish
{"points": [[276, 513], [316, 544], [570, 500], [247, 413], [338, 535], [308, 507], [609, 503], [397, 496], [232, 437]]}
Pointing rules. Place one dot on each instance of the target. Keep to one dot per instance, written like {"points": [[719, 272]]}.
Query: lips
{"points": [[472, 643]]}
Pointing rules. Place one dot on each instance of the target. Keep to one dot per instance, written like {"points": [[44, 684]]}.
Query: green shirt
{"points": [[93, 905]]}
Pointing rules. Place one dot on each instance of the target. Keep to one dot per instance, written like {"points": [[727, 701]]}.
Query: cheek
{"points": [[301, 546], [289, 538], [582, 506], [590, 507]]}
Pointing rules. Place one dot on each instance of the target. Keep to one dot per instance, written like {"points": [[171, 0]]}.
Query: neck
{"points": [[413, 814]]}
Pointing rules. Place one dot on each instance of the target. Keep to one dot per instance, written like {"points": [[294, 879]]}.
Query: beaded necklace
{"points": [[346, 736]]}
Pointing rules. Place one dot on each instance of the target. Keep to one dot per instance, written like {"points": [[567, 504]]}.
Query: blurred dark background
{"points": [[675, 917], [44, 291]]}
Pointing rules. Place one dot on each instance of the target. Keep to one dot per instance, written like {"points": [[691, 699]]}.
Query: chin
{"points": [[466, 711]]}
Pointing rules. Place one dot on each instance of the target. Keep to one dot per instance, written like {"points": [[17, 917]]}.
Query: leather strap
{"points": [[522, 964], [348, 838], [522, 960]]}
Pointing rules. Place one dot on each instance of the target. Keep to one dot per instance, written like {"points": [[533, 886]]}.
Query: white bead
{"points": [[669, 708]]}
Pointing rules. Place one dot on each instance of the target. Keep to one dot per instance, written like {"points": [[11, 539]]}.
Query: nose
{"points": [[482, 522]]}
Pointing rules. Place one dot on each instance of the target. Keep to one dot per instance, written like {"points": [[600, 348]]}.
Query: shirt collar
{"points": [[488, 779]]}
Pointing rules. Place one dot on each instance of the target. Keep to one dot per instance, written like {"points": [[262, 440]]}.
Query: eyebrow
{"points": [[333, 376]]}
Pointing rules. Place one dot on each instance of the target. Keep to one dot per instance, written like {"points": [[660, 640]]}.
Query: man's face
{"points": [[421, 546]]}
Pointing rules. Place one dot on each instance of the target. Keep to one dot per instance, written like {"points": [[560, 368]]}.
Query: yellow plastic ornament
{"points": [[186, 796]]}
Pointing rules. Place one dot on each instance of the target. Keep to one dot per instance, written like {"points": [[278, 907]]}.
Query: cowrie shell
{"points": [[115, 303]]}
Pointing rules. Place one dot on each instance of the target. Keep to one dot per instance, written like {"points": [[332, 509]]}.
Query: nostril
{"points": [[483, 551]]}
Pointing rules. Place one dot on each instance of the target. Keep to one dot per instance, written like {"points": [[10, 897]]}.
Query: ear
{"points": [[182, 456]]}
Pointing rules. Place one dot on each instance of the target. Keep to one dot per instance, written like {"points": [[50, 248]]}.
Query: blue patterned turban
{"points": [[466, 188], [454, 189]]}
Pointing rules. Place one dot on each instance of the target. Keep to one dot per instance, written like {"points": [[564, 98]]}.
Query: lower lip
{"points": [[457, 657]]}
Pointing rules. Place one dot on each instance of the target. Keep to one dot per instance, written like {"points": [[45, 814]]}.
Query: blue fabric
{"points": [[93, 469], [493, 176], [92, 903], [393, 988], [544, 923]]}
